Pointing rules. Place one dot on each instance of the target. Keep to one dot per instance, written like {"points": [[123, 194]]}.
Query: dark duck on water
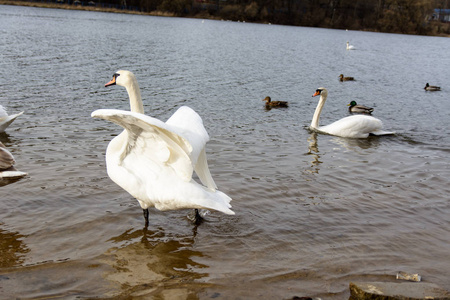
{"points": [[359, 109], [270, 103]]}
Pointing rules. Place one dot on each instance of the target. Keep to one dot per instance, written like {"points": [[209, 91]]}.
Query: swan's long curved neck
{"points": [[134, 93], [315, 119]]}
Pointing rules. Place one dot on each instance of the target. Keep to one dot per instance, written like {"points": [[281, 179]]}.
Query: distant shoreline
{"points": [[135, 12], [79, 7]]}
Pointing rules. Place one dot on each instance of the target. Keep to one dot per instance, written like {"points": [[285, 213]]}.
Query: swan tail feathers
{"points": [[220, 203], [382, 132], [206, 200]]}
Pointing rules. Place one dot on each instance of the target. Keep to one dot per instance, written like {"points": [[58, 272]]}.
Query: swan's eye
{"points": [[318, 91]]}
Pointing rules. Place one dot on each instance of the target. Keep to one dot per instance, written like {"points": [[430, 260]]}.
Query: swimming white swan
{"points": [[355, 126], [350, 47], [154, 161], [5, 119], [7, 170]]}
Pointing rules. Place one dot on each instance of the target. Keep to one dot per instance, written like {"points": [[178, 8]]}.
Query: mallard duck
{"points": [[431, 88], [270, 103], [7, 162], [342, 78], [360, 109]]}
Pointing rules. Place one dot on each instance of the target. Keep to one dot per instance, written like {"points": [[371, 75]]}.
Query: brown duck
{"points": [[270, 103], [342, 78]]}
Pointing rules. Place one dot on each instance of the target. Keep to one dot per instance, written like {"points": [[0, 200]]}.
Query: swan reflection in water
{"points": [[313, 150], [12, 248], [350, 144], [152, 264], [357, 144]]}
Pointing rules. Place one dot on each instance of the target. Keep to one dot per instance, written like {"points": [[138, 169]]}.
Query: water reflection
{"points": [[5, 138], [313, 150], [6, 181], [358, 144], [155, 265], [12, 248]]}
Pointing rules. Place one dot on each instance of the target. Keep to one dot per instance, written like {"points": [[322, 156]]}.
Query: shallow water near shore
{"points": [[313, 212]]}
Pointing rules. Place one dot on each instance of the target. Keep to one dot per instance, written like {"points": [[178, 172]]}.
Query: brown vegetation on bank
{"points": [[393, 16]]}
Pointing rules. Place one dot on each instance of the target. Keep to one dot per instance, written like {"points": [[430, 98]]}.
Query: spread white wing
{"points": [[187, 123], [150, 138]]}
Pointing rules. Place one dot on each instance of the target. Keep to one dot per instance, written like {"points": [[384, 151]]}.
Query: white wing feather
{"points": [[153, 138], [189, 124]]}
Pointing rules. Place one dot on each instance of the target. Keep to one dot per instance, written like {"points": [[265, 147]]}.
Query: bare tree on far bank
{"points": [[396, 16]]}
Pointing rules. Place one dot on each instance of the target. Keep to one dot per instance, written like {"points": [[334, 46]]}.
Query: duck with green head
{"points": [[359, 109], [431, 88]]}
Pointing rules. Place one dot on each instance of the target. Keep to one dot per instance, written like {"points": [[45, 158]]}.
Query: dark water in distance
{"points": [[313, 212]]}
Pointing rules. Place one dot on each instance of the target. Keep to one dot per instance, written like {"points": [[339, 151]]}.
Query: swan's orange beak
{"points": [[317, 93], [112, 82]]}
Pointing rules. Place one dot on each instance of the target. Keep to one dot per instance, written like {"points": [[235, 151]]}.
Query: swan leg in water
{"points": [[195, 217], [198, 219], [146, 216]]}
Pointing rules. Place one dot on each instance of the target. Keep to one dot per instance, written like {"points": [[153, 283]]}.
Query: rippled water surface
{"points": [[313, 212]]}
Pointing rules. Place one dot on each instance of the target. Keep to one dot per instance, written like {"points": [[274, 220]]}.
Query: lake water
{"points": [[313, 212]]}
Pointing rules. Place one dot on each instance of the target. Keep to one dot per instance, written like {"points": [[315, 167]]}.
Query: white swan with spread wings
{"points": [[154, 161], [355, 126]]}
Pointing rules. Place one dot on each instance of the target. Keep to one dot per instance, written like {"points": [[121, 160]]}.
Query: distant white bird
{"points": [[355, 126], [5, 119], [350, 47], [7, 170], [154, 161]]}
